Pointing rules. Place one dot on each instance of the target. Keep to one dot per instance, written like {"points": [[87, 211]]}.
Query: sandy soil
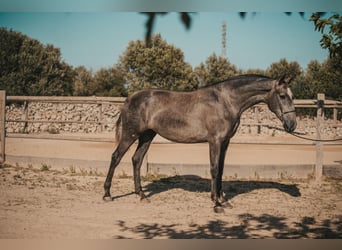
{"points": [[49, 204]]}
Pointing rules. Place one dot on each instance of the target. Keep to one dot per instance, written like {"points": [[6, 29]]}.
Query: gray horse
{"points": [[210, 114]]}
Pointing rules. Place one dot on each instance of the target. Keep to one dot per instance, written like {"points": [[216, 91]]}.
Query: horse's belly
{"points": [[183, 135], [178, 127]]}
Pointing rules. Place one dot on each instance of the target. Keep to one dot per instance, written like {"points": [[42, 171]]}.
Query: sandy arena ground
{"points": [[44, 202]]}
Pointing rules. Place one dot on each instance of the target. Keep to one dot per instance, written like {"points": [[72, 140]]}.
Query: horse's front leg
{"points": [[222, 197], [217, 155]]}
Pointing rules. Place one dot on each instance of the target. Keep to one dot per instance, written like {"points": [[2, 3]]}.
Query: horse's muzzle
{"points": [[290, 125]]}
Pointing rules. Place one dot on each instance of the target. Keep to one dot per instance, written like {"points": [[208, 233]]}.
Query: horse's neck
{"points": [[248, 95]]}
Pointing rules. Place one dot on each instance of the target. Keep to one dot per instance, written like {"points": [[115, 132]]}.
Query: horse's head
{"points": [[280, 102]]}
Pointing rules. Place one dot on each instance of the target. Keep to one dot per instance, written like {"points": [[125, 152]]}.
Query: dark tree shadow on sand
{"points": [[251, 226]]}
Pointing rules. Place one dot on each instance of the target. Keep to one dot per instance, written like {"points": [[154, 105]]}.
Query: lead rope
{"points": [[315, 140], [296, 134], [307, 138]]}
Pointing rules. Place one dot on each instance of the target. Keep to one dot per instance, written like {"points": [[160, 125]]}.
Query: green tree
{"points": [[254, 71], [284, 68], [309, 84], [318, 78], [159, 66], [10, 45], [83, 81], [214, 69], [331, 83], [331, 29], [29, 68], [108, 82]]}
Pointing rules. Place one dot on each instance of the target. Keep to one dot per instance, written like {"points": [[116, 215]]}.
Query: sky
{"points": [[97, 39]]}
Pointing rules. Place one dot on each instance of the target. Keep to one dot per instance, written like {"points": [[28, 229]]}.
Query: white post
{"points": [[319, 145], [2, 125]]}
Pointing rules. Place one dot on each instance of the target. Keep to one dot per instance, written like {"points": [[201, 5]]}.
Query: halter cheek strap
{"points": [[290, 111]]}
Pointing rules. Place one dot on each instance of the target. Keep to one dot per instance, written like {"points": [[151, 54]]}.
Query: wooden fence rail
{"points": [[299, 103], [66, 99], [320, 105]]}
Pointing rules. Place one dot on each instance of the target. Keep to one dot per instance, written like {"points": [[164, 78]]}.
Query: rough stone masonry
{"points": [[87, 118]]}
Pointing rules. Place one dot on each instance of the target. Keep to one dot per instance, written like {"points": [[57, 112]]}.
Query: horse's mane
{"points": [[240, 80]]}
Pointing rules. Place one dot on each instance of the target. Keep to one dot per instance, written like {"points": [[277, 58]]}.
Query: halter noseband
{"points": [[290, 111]]}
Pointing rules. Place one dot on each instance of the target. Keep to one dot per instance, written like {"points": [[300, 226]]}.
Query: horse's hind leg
{"points": [[117, 155], [145, 140]]}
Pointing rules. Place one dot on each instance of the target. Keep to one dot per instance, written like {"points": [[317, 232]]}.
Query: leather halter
{"points": [[290, 111]]}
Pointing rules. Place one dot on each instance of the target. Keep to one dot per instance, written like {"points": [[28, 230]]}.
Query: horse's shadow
{"points": [[231, 189]]}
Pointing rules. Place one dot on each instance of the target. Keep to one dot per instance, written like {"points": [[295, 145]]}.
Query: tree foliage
{"points": [[159, 66], [29, 68], [331, 83], [329, 72], [151, 17], [108, 82], [83, 82], [284, 68], [215, 69], [331, 29], [317, 78]]}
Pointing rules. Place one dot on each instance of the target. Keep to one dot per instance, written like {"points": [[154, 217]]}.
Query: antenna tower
{"points": [[224, 40]]}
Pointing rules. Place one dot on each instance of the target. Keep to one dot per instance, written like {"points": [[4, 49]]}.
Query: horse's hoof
{"points": [[145, 200], [227, 204], [107, 198], [218, 209]]}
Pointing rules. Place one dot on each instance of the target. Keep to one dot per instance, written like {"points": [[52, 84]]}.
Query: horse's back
{"points": [[158, 98]]}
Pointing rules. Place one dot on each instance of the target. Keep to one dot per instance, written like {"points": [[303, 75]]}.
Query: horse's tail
{"points": [[118, 129]]}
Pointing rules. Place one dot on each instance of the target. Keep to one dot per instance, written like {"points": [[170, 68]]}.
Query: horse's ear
{"points": [[285, 80], [281, 80]]}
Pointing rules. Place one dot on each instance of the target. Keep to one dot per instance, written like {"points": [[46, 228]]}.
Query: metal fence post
{"points": [[319, 144], [25, 111], [101, 117], [2, 125], [335, 121]]}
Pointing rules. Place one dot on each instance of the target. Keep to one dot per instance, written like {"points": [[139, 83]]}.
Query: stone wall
{"points": [[84, 118], [89, 116], [272, 126]]}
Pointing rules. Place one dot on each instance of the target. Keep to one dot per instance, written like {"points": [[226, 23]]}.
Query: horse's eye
{"points": [[282, 96]]}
